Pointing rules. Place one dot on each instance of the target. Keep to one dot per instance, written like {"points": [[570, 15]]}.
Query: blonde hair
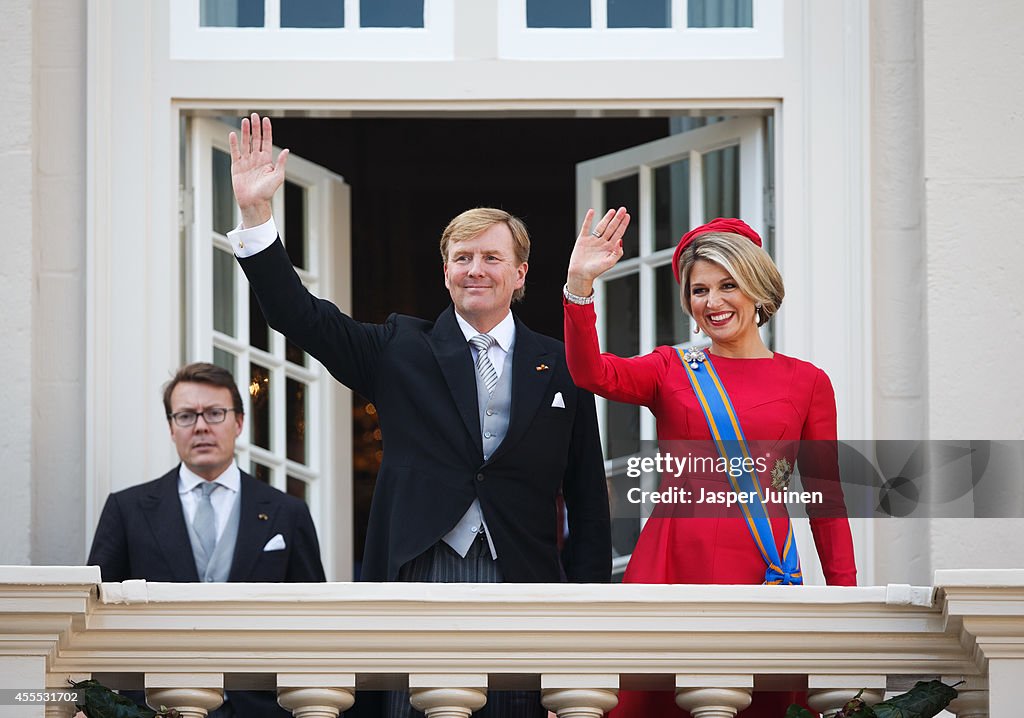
{"points": [[474, 221], [754, 271]]}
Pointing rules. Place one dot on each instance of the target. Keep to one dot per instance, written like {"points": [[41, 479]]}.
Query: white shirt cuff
{"points": [[247, 242]]}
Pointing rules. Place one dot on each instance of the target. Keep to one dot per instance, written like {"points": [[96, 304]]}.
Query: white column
{"points": [[193, 695], [713, 696], [447, 696], [972, 696], [316, 695], [579, 696], [24, 672], [827, 694], [1005, 676]]}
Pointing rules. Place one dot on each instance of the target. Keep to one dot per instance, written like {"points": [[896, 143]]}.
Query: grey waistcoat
{"points": [[495, 411]]}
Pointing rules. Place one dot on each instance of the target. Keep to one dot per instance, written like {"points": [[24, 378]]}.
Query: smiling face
{"points": [[720, 308], [481, 275], [206, 449]]}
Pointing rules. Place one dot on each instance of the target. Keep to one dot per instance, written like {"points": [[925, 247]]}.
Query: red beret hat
{"points": [[721, 224]]}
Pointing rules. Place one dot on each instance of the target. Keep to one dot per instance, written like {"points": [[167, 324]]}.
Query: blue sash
{"points": [[728, 436]]}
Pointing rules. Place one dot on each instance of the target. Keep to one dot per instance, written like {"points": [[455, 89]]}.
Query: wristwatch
{"points": [[575, 298]]}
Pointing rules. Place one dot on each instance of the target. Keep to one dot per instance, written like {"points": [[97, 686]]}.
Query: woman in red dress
{"points": [[730, 287]]}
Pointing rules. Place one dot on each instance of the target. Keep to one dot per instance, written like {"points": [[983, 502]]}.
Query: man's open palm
{"points": [[255, 176]]}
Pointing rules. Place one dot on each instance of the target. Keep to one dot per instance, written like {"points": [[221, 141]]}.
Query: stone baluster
{"points": [[59, 683], [316, 695], [827, 694], [447, 696], [713, 696], [579, 696], [972, 696], [193, 695]]}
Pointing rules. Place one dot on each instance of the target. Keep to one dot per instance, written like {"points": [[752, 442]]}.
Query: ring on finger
{"points": [[595, 233]]}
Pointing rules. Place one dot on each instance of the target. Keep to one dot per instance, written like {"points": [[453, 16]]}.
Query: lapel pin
{"points": [[263, 517], [542, 367]]}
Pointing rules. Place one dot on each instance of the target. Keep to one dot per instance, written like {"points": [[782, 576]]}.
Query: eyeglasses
{"points": [[213, 415]]}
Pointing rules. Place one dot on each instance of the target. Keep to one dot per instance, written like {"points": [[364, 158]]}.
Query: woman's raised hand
{"points": [[597, 249]]}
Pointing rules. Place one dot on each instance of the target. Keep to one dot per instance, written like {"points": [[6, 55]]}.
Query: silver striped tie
{"points": [[484, 368], [205, 521]]}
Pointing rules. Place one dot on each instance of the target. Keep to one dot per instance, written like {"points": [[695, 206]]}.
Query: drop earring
{"points": [[696, 328], [757, 314]]}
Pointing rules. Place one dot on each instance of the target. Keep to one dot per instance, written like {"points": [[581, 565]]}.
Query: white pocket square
{"points": [[558, 402], [275, 544]]}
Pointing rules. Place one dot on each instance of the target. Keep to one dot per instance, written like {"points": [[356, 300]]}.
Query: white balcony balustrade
{"points": [[320, 645]]}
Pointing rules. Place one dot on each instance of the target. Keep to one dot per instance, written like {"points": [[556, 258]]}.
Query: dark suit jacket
{"points": [[142, 534], [420, 376]]}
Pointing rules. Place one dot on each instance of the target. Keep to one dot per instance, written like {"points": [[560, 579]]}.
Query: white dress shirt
{"points": [[222, 498], [504, 334], [247, 242]]}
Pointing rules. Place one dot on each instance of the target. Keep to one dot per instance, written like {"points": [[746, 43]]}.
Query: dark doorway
{"points": [[409, 177]]}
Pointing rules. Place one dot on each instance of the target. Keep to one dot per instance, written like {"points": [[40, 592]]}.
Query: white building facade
{"points": [[875, 143]]}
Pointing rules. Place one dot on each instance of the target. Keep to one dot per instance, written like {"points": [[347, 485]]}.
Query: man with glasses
{"points": [[206, 520]]}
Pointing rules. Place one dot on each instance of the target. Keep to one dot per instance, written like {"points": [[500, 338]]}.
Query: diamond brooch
{"points": [[694, 357]]}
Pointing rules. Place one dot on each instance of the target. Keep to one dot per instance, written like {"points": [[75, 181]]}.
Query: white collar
{"points": [[230, 479], [504, 332]]}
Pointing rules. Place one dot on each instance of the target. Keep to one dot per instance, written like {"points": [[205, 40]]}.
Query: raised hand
{"points": [[255, 176], [597, 250]]}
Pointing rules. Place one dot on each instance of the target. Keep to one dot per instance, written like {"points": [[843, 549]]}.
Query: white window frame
{"points": [[325, 480], [746, 133], [679, 42], [433, 41]]}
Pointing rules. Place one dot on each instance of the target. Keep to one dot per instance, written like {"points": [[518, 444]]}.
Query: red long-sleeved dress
{"points": [[779, 401]]}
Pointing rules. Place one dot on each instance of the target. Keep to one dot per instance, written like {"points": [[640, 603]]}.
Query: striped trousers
{"points": [[441, 564]]}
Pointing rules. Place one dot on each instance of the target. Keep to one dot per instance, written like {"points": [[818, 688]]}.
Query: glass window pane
{"points": [[720, 13], [295, 223], [298, 488], [294, 353], [231, 13], [557, 13], [295, 420], [223, 292], [312, 13], [261, 472], [722, 183], [671, 322], [259, 331], [625, 192], [625, 514], [622, 337], [259, 394], [224, 359], [639, 13], [223, 196], [671, 203], [391, 13]]}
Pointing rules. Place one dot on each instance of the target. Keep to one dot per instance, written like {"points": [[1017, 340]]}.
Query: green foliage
{"points": [[98, 701], [925, 700]]}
